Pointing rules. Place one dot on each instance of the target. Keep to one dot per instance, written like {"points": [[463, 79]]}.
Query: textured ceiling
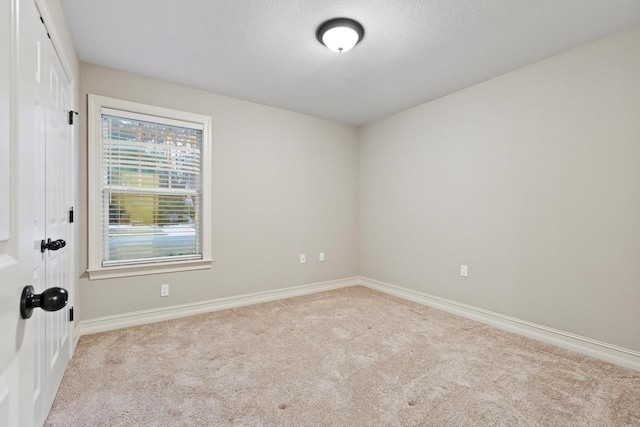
{"points": [[266, 50]]}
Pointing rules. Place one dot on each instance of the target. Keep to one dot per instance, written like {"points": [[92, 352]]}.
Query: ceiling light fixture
{"points": [[340, 34]]}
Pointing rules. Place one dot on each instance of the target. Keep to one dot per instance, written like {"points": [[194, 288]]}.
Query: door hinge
{"points": [[71, 314], [45, 27], [71, 215], [71, 113]]}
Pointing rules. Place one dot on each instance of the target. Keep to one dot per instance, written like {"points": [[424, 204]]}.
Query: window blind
{"points": [[151, 189]]}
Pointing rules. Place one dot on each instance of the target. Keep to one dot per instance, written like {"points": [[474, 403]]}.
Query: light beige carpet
{"points": [[352, 357]]}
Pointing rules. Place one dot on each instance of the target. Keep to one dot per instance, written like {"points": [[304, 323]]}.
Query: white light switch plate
{"points": [[321, 257], [303, 258]]}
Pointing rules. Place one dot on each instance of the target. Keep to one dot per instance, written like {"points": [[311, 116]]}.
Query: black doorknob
{"points": [[52, 245], [53, 299]]}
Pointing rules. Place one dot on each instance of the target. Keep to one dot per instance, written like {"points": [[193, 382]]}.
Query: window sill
{"points": [[140, 270]]}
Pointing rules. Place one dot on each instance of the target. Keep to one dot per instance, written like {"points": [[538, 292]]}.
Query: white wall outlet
{"points": [[303, 258], [164, 290], [463, 271], [321, 257]]}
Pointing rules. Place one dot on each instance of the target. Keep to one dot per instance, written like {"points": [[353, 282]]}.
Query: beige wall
{"points": [[283, 184], [532, 179]]}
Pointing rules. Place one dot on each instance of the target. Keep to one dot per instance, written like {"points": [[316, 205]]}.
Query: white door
{"points": [[34, 148], [58, 200], [15, 234]]}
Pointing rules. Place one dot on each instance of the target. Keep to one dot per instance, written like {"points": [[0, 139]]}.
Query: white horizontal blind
{"points": [[151, 189]]}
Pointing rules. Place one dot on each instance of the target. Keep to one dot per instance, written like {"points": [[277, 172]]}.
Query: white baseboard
{"points": [[600, 350], [108, 323]]}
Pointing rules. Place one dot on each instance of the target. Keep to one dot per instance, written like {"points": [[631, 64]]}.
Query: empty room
{"points": [[320, 213]]}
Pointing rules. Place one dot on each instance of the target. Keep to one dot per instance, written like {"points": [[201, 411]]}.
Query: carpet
{"points": [[350, 357]]}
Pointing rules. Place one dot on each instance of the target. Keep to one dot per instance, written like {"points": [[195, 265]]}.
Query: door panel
{"points": [[31, 100], [11, 276], [14, 233], [5, 104], [34, 39], [19, 256], [58, 149], [9, 395], [37, 332]]}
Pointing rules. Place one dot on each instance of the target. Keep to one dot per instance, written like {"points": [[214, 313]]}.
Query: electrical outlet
{"points": [[164, 290], [303, 258], [463, 271], [321, 257]]}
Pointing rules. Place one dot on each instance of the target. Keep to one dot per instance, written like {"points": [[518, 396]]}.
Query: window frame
{"points": [[94, 168]]}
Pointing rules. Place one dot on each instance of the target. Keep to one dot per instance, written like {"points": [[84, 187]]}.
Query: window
{"points": [[149, 189]]}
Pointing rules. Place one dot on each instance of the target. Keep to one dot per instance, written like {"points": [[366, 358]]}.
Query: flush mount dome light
{"points": [[340, 34]]}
